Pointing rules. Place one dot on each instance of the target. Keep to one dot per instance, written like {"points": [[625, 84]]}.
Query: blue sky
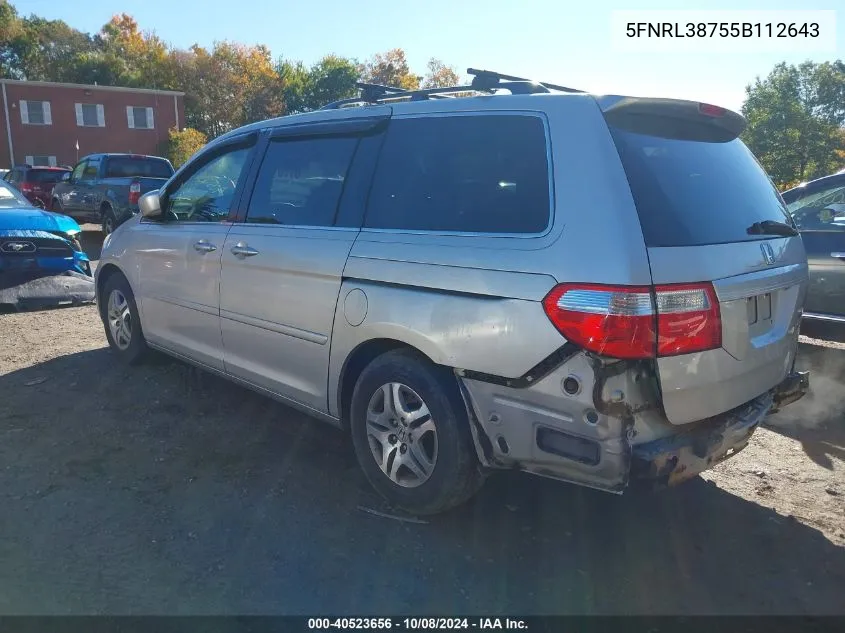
{"points": [[552, 40]]}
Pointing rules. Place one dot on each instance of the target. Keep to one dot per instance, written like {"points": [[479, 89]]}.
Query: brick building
{"points": [[41, 122]]}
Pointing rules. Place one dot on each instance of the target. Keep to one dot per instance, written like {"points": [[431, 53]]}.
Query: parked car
{"points": [[104, 188], [818, 210], [36, 183], [591, 288], [41, 259]]}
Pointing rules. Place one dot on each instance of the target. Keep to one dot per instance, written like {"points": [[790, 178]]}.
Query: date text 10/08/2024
{"points": [[413, 624], [722, 29]]}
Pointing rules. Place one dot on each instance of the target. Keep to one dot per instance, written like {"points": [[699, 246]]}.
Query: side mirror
{"points": [[150, 204]]}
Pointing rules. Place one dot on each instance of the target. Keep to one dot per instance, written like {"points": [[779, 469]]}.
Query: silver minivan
{"points": [[504, 275]]}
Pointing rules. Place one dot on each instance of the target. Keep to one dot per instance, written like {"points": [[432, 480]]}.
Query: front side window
{"points": [[208, 193], [470, 174], [78, 171], [92, 169], [822, 210], [300, 182]]}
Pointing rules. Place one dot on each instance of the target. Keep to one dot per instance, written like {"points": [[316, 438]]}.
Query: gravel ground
{"points": [[160, 489]]}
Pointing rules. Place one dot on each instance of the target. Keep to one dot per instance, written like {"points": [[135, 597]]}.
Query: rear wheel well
{"points": [[105, 207], [360, 357]]}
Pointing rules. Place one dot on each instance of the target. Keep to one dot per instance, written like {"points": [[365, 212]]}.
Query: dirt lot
{"points": [[160, 489]]}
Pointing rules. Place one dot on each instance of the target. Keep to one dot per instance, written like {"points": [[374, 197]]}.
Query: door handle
{"points": [[838, 255], [204, 247], [242, 250]]}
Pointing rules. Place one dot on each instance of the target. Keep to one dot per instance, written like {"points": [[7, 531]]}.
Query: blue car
{"points": [[41, 259]]}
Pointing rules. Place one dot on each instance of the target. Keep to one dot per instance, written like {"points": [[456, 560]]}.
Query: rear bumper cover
{"points": [[674, 459], [45, 289]]}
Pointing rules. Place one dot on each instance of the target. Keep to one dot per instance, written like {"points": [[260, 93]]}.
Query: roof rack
{"points": [[491, 78], [485, 81]]}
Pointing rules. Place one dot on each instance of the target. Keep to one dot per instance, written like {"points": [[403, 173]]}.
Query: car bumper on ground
{"points": [[28, 290], [677, 458]]}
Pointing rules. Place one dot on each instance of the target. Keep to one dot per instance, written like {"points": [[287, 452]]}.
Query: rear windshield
{"points": [[137, 167], [691, 193], [44, 175]]}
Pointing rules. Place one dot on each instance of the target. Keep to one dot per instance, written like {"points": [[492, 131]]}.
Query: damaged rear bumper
{"points": [[47, 290], [674, 459]]}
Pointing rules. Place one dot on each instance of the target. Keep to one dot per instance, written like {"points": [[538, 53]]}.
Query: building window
{"points": [[90, 115], [35, 113], [41, 161], [139, 118]]}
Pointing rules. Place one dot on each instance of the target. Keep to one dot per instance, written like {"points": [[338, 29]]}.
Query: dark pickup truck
{"points": [[104, 188]]}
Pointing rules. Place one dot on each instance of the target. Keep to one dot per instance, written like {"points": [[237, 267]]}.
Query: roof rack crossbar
{"points": [[482, 81], [488, 75]]}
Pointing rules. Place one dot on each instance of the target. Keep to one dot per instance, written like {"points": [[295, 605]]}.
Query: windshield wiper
{"points": [[772, 227]]}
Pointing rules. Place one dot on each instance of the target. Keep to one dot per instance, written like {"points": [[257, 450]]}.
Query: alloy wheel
{"points": [[120, 319], [402, 435]]}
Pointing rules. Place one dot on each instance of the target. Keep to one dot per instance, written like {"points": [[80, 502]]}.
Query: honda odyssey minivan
{"points": [[597, 289]]}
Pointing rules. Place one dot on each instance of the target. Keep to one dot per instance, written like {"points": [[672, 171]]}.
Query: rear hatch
{"points": [[713, 224]]}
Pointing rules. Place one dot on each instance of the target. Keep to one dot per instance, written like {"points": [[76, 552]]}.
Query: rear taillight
{"points": [[688, 319], [26, 187], [637, 321], [134, 192]]}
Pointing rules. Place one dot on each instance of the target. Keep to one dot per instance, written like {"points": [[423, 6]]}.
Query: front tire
{"points": [[411, 434], [121, 321]]}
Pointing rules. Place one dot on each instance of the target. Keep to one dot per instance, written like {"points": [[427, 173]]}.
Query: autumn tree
{"points": [[440, 75], [182, 144], [795, 119], [228, 87], [390, 69]]}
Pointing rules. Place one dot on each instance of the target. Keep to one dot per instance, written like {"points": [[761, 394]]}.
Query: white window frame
{"points": [[46, 115], [51, 160], [80, 120], [130, 118]]}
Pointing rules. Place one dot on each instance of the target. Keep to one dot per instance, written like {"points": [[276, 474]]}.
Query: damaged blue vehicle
{"points": [[41, 259]]}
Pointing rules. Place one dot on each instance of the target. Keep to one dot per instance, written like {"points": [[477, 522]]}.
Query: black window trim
{"points": [[358, 127], [461, 234], [251, 140]]}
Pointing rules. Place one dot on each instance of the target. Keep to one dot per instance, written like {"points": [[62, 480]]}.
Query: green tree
{"points": [[440, 75], [330, 79], [183, 144], [390, 69], [795, 119], [42, 50]]}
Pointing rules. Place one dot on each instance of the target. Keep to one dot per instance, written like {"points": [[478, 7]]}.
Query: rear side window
{"points": [[300, 181], [132, 167], [468, 174], [691, 193]]}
